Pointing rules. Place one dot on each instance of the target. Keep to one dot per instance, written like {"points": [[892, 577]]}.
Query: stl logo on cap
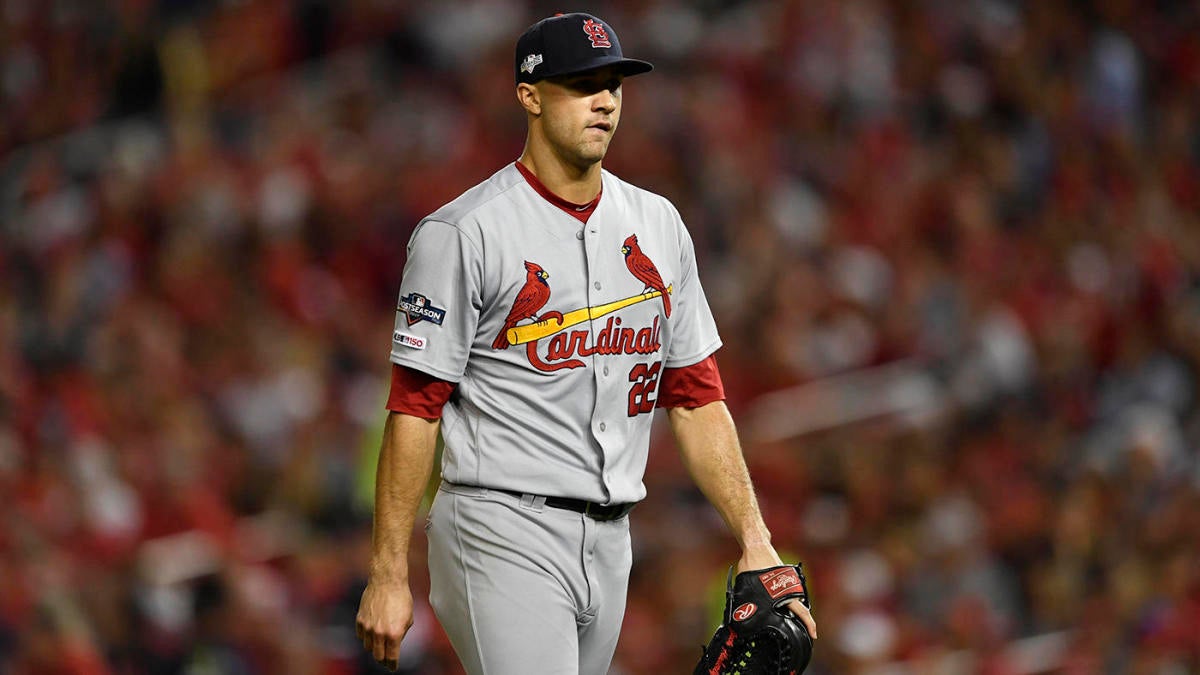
{"points": [[596, 33]]}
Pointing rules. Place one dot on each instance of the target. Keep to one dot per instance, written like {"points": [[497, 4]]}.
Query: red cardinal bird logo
{"points": [[641, 267], [530, 299]]}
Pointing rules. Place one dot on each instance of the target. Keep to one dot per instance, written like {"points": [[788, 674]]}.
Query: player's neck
{"points": [[574, 184]]}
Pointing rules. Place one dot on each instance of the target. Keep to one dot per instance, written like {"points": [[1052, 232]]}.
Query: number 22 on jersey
{"points": [[645, 380]]}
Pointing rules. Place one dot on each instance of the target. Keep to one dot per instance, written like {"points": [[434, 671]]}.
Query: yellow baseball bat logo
{"points": [[536, 331]]}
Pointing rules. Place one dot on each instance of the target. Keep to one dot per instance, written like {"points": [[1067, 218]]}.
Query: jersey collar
{"points": [[580, 212]]}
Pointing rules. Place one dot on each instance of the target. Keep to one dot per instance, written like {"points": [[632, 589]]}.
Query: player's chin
{"points": [[593, 151]]}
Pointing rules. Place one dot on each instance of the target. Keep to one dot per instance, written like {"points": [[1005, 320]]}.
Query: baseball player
{"points": [[543, 316]]}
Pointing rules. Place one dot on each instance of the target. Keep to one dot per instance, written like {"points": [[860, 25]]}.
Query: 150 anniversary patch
{"points": [[417, 308]]}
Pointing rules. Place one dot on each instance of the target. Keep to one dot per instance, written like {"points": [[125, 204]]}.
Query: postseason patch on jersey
{"points": [[409, 340], [417, 308]]}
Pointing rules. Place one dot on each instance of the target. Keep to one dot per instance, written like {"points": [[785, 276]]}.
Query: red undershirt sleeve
{"points": [[421, 395], [418, 394], [691, 386]]}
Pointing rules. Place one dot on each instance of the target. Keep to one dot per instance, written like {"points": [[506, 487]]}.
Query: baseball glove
{"points": [[760, 635]]}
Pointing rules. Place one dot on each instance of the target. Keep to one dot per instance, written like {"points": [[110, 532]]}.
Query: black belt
{"points": [[602, 512]]}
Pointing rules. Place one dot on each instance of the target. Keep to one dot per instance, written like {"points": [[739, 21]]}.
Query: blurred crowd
{"points": [[204, 208]]}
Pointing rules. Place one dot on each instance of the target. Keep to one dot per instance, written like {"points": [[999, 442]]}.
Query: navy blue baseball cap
{"points": [[566, 44]]}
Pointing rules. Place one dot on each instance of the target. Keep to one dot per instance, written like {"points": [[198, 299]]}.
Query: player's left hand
{"points": [[385, 613], [762, 557]]}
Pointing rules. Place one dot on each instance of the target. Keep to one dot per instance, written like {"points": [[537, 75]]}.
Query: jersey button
{"points": [[602, 426], [596, 285], [579, 235], [605, 370]]}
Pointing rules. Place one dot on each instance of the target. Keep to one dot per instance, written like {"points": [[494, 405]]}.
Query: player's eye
{"points": [[593, 85], [585, 86]]}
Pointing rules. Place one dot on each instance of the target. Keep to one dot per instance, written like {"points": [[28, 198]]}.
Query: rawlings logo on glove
{"points": [[760, 635], [780, 581]]}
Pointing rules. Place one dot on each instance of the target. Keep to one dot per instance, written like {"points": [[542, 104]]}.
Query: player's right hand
{"points": [[385, 613]]}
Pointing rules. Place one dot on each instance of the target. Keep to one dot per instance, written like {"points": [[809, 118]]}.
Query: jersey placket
{"points": [[604, 424]]}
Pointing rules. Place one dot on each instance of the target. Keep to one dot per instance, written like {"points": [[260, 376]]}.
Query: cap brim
{"points": [[626, 67], [629, 67]]}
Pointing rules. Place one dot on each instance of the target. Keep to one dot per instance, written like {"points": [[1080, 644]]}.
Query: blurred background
{"points": [[953, 247]]}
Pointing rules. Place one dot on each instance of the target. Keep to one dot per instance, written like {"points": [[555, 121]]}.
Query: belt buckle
{"points": [[597, 512], [605, 513]]}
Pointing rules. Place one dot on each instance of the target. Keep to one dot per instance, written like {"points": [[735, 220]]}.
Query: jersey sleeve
{"points": [[437, 312], [694, 331]]}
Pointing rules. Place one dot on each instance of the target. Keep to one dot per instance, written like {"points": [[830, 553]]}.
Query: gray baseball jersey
{"points": [[555, 331]]}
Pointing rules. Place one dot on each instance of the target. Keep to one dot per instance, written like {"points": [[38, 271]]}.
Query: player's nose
{"points": [[604, 101]]}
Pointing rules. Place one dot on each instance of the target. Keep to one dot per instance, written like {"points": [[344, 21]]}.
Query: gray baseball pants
{"points": [[522, 588]]}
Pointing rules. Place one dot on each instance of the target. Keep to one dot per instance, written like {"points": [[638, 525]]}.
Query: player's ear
{"points": [[530, 98]]}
